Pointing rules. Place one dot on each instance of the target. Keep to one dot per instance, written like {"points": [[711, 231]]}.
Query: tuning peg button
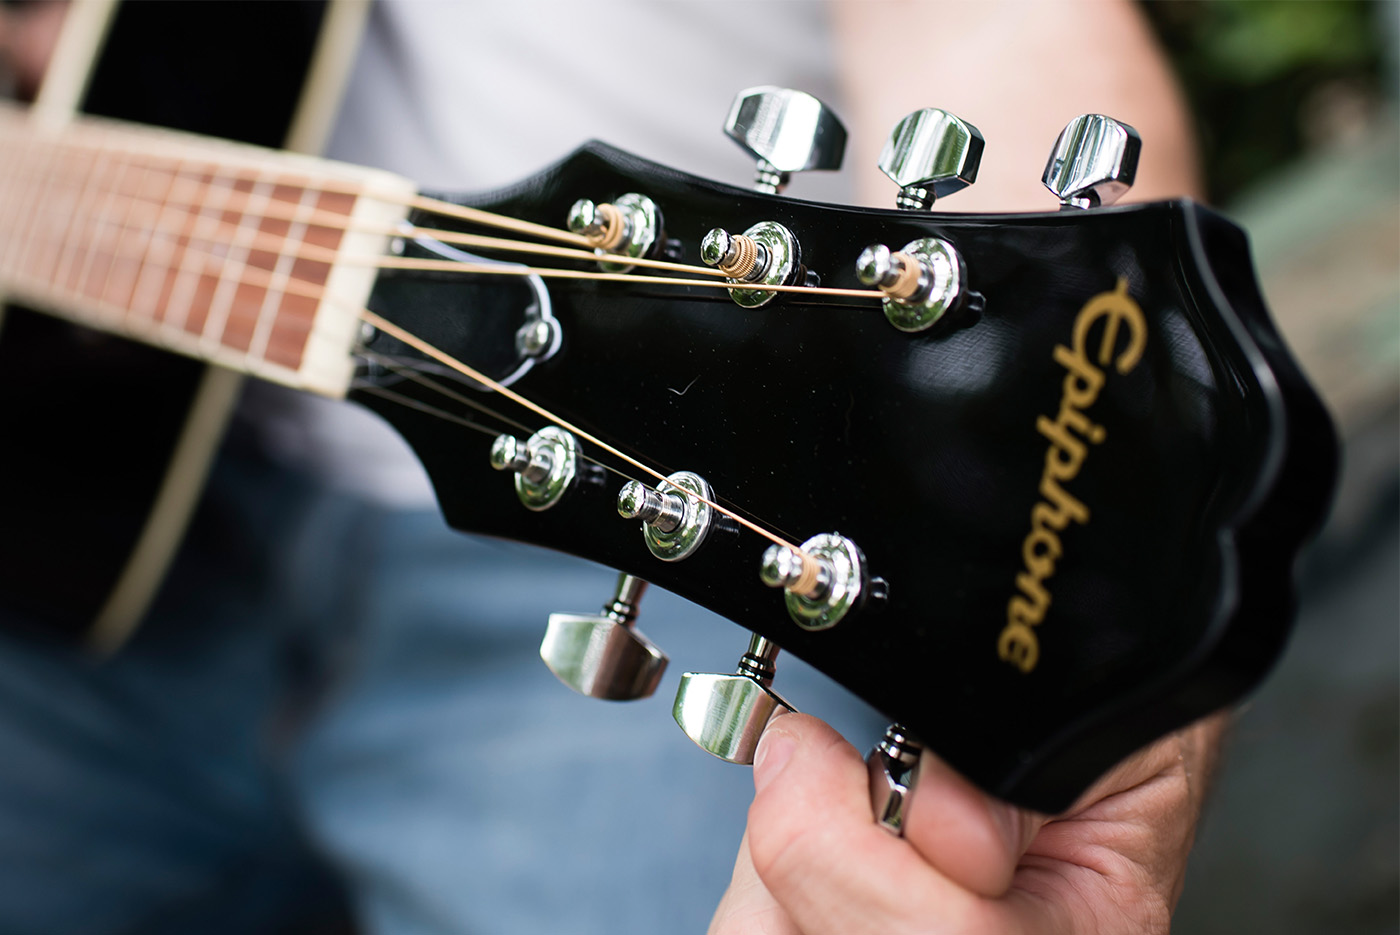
{"points": [[545, 465], [676, 517], [1093, 163], [931, 154], [785, 131], [766, 253], [893, 768], [603, 655], [726, 714], [922, 282], [824, 580], [630, 226]]}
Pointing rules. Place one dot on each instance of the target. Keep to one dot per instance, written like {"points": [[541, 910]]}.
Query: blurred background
{"points": [[1296, 107], [1296, 111]]}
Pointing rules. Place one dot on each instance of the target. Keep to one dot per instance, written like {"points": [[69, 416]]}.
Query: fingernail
{"points": [[775, 748]]}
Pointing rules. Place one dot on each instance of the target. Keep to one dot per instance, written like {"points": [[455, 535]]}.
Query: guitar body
{"points": [[91, 422], [1072, 504]]}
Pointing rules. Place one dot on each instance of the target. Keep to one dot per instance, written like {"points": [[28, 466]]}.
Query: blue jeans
{"points": [[331, 697]]}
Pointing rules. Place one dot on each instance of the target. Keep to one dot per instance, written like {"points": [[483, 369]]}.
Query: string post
{"points": [[738, 256], [664, 511], [509, 453], [922, 282], [796, 571], [824, 579], [602, 225]]}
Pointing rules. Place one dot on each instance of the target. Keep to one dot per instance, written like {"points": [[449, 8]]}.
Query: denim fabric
{"points": [[332, 694]]}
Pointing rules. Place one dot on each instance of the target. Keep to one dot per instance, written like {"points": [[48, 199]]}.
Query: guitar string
{"points": [[406, 370], [130, 148], [284, 210], [423, 347], [311, 290], [442, 357], [328, 255]]}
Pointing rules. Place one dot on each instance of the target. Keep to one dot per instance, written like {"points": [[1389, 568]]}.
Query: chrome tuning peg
{"points": [[931, 154], [630, 226], [603, 655], [893, 766], [544, 465], [922, 282], [785, 131], [726, 714], [1093, 163]]}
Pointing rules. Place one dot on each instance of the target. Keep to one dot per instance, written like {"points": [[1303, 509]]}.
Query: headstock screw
{"points": [[931, 154], [785, 131], [1094, 162], [535, 337]]}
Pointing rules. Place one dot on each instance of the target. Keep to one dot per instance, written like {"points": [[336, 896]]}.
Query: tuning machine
{"points": [[922, 281], [604, 655], [893, 770], [767, 253], [726, 714], [676, 517], [823, 580], [1094, 162], [931, 154], [785, 131], [544, 465], [629, 226]]}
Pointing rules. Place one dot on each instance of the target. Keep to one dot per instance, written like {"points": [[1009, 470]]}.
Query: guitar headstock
{"points": [[1039, 501]]}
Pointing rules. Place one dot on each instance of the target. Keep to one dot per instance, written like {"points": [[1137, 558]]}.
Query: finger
{"points": [[747, 907], [816, 847], [970, 837]]}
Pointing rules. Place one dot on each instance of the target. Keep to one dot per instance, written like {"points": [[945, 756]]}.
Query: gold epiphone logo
{"points": [[1069, 435]]}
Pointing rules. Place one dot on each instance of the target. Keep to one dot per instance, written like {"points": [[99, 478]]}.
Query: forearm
{"points": [[1018, 70]]}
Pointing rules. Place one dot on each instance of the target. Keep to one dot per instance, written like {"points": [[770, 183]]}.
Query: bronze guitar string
{"points": [[259, 241]]}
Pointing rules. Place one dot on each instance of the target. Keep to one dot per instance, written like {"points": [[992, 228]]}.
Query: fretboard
{"points": [[252, 259]]}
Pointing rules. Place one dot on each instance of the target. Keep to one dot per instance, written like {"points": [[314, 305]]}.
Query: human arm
{"points": [[812, 860]]}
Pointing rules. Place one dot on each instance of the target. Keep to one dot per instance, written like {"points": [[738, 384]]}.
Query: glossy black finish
{"points": [[89, 420], [818, 416]]}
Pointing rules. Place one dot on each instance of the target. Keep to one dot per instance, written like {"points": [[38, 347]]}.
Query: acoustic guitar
{"points": [[1033, 485]]}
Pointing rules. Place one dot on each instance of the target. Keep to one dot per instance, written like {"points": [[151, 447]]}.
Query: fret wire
{"points": [[151, 281], [75, 230], [11, 188], [101, 229], [76, 166], [145, 234], [330, 219], [26, 211], [188, 278], [281, 275], [220, 304]]}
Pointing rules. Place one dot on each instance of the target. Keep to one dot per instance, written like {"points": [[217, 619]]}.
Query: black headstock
{"points": [[1039, 619]]}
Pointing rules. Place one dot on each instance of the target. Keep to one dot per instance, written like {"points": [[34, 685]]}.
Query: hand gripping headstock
{"points": [[1077, 501]]}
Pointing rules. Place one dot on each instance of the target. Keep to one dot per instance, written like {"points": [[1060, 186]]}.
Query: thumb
{"points": [[970, 837], [747, 907]]}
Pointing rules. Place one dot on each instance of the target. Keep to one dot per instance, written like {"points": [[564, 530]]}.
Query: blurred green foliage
{"points": [[1263, 76]]}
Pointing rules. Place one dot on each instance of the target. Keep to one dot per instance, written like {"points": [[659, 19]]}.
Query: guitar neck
{"points": [[256, 260]]}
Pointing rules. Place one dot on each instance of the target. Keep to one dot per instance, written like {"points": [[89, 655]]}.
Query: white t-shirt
{"points": [[476, 95]]}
